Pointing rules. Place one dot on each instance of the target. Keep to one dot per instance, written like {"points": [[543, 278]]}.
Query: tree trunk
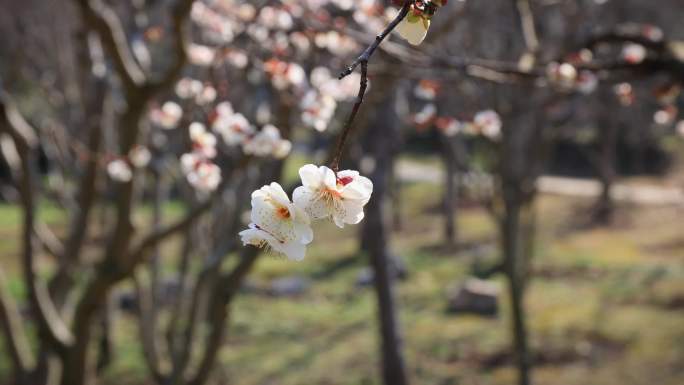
{"points": [[608, 131], [514, 240], [450, 192], [381, 141], [394, 371]]}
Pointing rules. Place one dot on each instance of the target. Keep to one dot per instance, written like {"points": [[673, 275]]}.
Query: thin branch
{"points": [[146, 246], [368, 52], [362, 61], [346, 130]]}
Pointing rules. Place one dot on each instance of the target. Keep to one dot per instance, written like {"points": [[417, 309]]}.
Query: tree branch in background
{"points": [[25, 140], [226, 287], [179, 17], [148, 333], [14, 333], [101, 18], [526, 17]]}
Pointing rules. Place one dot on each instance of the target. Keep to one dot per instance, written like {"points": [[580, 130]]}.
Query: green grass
{"points": [[602, 297]]}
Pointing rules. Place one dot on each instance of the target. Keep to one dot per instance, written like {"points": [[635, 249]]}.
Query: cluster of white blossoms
{"points": [[667, 96], [486, 123], [192, 89], [198, 165], [120, 169], [320, 100], [167, 116], [284, 226], [565, 77], [236, 130], [415, 25]]}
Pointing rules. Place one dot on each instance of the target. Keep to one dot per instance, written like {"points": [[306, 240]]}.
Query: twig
{"points": [[366, 55], [362, 61]]}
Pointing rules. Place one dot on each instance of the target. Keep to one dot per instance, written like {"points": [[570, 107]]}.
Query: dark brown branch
{"points": [[362, 61], [346, 130], [368, 52]]}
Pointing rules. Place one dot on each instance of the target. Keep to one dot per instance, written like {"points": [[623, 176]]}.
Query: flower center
{"points": [[344, 180], [283, 213]]}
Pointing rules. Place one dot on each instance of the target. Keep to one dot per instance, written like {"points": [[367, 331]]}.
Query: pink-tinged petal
{"points": [[360, 189], [347, 173]]}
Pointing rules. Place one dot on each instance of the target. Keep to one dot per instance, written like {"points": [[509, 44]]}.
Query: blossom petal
{"points": [[310, 176]]}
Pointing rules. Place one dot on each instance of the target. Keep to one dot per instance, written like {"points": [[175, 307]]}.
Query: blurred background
{"points": [[525, 225]]}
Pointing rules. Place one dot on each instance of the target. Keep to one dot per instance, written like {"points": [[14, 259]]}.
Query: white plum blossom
{"points": [[167, 116], [267, 142], [207, 96], [301, 42], [340, 196], [201, 173], [634, 53], [203, 142], [139, 156], [562, 75], [415, 25], [284, 75], [587, 82], [319, 76], [426, 90], [119, 170], [680, 128], [488, 123], [282, 149], [450, 126], [233, 128], [426, 115], [665, 116], [317, 110], [277, 223], [237, 59], [201, 55], [188, 88]]}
